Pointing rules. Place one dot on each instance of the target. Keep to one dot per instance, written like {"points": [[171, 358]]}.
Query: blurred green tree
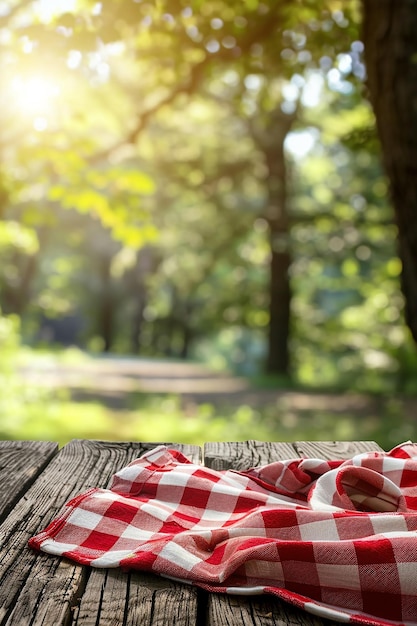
{"points": [[167, 128]]}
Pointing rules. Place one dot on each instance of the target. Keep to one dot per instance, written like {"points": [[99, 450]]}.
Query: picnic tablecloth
{"points": [[335, 538]]}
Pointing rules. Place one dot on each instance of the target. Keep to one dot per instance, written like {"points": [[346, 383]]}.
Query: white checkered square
{"points": [[339, 576], [173, 553], [85, 519], [320, 530]]}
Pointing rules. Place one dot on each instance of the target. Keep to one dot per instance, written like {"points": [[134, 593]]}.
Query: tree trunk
{"points": [[271, 142], [16, 298], [389, 34], [138, 319], [147, 263], [278, 361], [187, 332], [106, 304]]}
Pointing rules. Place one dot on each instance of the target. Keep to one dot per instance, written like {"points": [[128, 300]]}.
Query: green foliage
{"points": [[20, 403], [134, 186], [17, 237]]}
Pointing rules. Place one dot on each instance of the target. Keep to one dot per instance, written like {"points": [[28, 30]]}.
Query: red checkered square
{"points": [[281, 524], [99, 541], [382, 604], [353, 525], [305, 589], [205, 474], [217, 556], [296, 551], [349, 598], [374, 551], [335, 553], [122, 511], [245, 503], [194, 497]]}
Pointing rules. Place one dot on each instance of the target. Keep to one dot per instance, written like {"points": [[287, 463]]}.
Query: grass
{"points": [[28, 412], [162, 418]]}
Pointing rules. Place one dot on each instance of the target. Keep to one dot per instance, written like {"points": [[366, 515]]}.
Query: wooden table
{"points": [[36, 479]]}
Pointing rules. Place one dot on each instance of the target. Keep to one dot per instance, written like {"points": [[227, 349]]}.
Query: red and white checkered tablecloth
{"points": [[336, 538]]}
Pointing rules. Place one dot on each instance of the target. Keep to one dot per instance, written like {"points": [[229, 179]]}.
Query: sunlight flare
{"points": [[47, 9], [34, 96]]}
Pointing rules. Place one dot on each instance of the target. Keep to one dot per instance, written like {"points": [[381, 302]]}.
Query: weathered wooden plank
{"points": [[136, 599], [242, 455], [224, 610], [40, 589], [268, 611], [334, 449], [20, 463], [156, 601], [46, 595]]}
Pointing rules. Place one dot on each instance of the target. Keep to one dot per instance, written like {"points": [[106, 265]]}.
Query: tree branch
{"points": [[258, 34]]}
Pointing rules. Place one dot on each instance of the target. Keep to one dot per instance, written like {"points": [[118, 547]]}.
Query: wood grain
{"points": [[114, 598], [243, 455], [223, 610], [334, 449], [40, 589], [20, 463], [226, 610]]}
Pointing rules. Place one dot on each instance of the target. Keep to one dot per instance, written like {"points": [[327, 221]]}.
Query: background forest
{"points": [[199, 181]]}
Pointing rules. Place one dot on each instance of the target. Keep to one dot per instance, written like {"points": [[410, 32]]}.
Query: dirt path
{"points": [[113, 380]]}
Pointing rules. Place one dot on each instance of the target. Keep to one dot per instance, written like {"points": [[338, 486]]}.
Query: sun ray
{"points": [[35, 95]]}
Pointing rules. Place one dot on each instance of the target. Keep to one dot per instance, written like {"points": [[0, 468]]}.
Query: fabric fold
{"points": [[335, 538]]}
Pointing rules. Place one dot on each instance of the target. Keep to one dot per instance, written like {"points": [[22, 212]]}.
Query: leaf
{"points": [[350, 267], [133, 181], [394, 267]]}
